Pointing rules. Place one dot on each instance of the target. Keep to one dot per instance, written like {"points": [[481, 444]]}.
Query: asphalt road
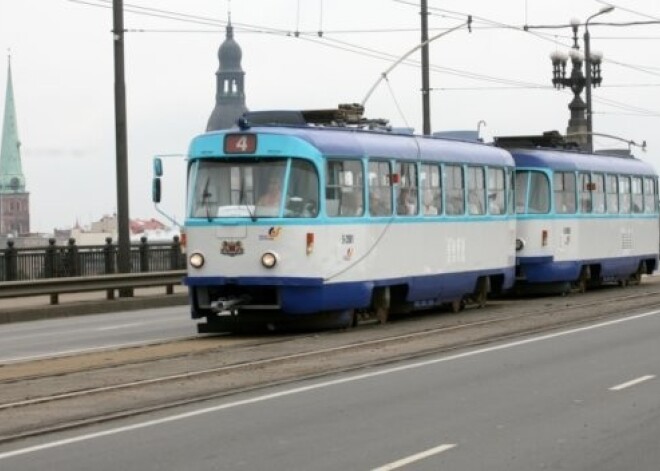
{"points": [[583, 399], [37, 339]]}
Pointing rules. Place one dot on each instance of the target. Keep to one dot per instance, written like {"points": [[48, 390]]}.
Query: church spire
{"points": [[230, 28], [11, 172], [14, 200], [230, 84]]}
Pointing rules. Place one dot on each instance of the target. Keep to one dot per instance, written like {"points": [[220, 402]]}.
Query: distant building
{"points": [[14, 198], [98, 231], [146, 226], [230, 85]]}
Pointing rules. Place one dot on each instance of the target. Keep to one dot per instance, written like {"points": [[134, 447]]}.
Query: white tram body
{"points": [[363, 221], [584, 219]]}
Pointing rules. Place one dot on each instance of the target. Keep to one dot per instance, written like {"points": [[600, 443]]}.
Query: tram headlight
{"points": [[520, 244], [269, 259], [196, 260]]}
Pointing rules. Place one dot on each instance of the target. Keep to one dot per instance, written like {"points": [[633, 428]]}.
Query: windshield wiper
{"points": [[205, 199], [243, 201]]}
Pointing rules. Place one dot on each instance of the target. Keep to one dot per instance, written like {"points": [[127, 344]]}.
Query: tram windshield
{"points": [[253, 188], [532, 192]]}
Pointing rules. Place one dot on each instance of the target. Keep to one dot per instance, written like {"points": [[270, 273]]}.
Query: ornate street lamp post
{"points": [[579, 126]]}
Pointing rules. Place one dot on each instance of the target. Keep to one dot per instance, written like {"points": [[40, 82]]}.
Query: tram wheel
{"points": [[481, 293], [382, 315], [354, 320], [583, 280], [457, 305], [636, 278], [381, 304]]}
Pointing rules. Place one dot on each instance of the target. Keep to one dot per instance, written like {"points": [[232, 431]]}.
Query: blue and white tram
{"points": [[583, 219], [289, 223]]}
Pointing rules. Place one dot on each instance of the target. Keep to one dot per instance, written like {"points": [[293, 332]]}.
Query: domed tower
{"points": [[230, 91], [14, 199]]}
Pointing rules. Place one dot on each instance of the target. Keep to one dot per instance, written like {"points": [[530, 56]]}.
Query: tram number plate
{"points": [[240, 144]]}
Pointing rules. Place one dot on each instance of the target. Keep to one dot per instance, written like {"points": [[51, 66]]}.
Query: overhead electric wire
{"points": [[637, 68], [315, 37], [619, 7], [527, 28], [637, 115], [531, 87], [439, 69], [626, 106], [612, 103], [153, 12], [181, 17]]}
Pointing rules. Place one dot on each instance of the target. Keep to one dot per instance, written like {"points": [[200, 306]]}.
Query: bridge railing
{"points": [[71, 260], [54, 287]]}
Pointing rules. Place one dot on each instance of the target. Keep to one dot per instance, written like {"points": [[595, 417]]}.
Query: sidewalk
{"points": [[77, 304]]}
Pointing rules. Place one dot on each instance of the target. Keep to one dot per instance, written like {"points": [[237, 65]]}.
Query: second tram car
{"points": [[290, 223], [583, 219]]}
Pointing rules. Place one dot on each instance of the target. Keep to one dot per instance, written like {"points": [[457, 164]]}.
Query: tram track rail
{"points": [[266, 362]]}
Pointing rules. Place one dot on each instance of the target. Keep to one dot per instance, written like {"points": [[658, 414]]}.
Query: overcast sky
{"points": [[62, 64]]}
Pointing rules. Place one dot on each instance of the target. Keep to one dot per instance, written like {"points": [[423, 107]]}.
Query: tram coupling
{"points": [[229, 303]]}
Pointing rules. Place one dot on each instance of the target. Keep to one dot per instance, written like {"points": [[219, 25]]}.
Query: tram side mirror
{"points": [[158, 167], [155, 190]]}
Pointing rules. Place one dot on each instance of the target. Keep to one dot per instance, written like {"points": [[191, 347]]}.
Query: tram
{"points": [[313, 218], [583, 219]]}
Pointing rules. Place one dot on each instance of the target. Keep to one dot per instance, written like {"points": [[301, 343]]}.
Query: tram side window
{"points": [[598, 193], [496, 191], [650, 194], [522, 186], [612, 193], [429, 180], [637, 195], [564, 190], [624, 195], [407, 189], [455, 190], [476, 191], [539, 193], [302, 199], [344, 195], [585, 192], [380, 195]]}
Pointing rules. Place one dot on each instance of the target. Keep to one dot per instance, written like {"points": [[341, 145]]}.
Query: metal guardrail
{"points": [[109, 283], [71, 260]]}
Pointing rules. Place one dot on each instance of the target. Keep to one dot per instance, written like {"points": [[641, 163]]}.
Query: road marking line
{"points": [[416, 457], [33, 333], [315, 386], [119, 326], [101, 348], [631, 383]]}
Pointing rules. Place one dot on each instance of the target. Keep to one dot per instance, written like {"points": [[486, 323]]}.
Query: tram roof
{"points": [[351, 142], [578, 161]]}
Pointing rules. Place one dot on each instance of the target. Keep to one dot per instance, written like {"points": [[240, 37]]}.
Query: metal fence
{"points": [[36, 263]]}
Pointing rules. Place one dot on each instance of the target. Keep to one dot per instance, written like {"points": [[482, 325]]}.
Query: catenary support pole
{"points": [[123, 236]]}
